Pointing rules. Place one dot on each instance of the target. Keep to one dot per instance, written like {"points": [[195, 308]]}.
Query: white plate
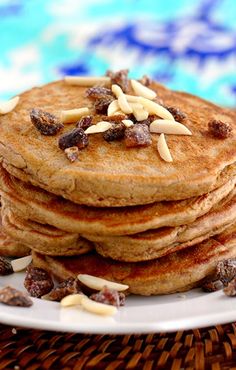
{"points": [[190, 310]]}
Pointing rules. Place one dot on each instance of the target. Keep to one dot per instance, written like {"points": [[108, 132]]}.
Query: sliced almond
{"points": [[113, 108], [163, 149], [72, 300], [119, 113], [97, 283], [165, 126], [87, 81], [101, 126], [20, 264], [128, 122], [8, 106], [136, 105], [155, 108], [140, 114], [124, 105], [133, 98], [117, 91], [72, 115], [142, 90], [97, 308]]}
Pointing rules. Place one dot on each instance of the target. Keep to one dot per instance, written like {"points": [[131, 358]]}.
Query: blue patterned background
{"points": [[188, 45]]}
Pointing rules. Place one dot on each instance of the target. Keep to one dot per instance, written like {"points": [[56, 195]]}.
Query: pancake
{"points": [[156, 243], [173, 273], [43, 238], [11, 248], [44, 207], [131, 248], [108, 173]]}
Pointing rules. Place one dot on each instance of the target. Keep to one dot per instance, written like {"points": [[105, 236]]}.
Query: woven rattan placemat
{"points": [[211, 348]]}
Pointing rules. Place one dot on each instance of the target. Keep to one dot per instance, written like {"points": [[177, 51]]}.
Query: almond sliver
{"points": [[72, 300], [20, 264], [99, 127], [140, 114], [163, 149], [97, 308], [72, 115], [113, 108], [155, 108], [165, 126], [133, 98], [128, 122], [142, 90], [124, 105], [8, 106], [97, 283], [117, 91], [87, 81]]}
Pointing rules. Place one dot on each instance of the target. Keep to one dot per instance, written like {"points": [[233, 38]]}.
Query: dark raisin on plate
{"points": [[230, 289], [226, 270], [37, 281], [219, 129], [76, 137], [212, 285], [46, 123], [5, 267], [137, 135], [116, 132], [66, 287], [109, 296], [13, 297]]}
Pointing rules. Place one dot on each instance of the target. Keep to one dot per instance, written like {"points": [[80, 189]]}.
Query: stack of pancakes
{"points": [[120, 213]]}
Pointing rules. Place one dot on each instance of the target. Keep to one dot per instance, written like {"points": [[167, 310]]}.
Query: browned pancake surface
{"points": [[108, 174], [176, 272], [38, 205]]}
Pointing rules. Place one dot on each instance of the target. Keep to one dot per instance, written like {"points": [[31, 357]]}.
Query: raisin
{"points": [[13, 297], [101, 97], [37, 282], [84, 122], [76, 137], [212, 285], [66, 287], [117, 118], [119, 78], [230, 289], [147, 121], [116, 132], [109, 296], [46, 123], [101, 105], [226, 270], [72, 153], [146, 80], [219, 129], [98, 91], [137, 135], [5, 267], [178, 115]]}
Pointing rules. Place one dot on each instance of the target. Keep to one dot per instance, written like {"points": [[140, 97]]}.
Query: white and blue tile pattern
{"points": [[188, 45]]}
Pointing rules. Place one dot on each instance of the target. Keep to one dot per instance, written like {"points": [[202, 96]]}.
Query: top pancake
{"points": [[108, 174]]}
